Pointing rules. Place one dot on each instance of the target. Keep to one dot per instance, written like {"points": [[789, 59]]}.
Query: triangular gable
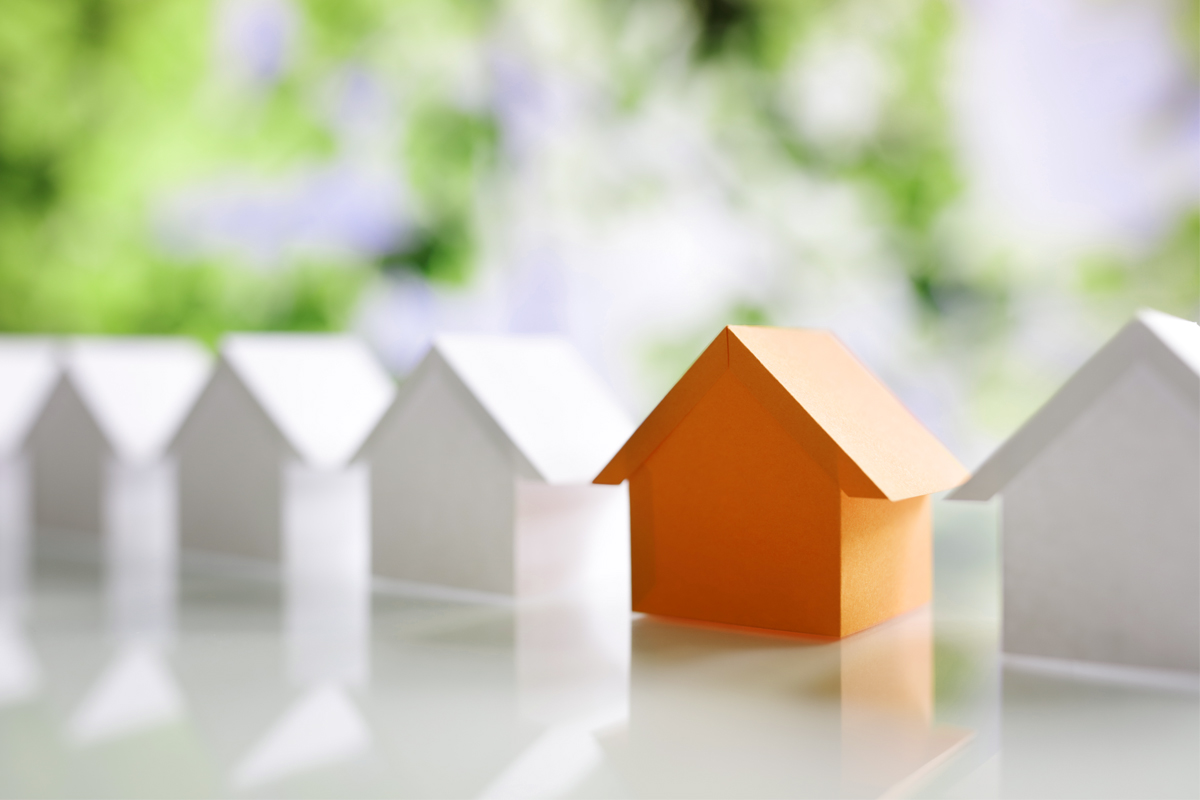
{"points": [[1169, 345], [434, 368], [856, 429], [554, 411], [29, 370], [325, 393], [138, 390]]}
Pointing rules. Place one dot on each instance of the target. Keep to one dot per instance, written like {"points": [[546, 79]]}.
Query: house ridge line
{"points": [[487, 419], [1136, 343]]}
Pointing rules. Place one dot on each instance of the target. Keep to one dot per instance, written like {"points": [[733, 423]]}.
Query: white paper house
{"points": [[266, 456], [491, 438], [1101, 507], [29, 368], [100, 446]]}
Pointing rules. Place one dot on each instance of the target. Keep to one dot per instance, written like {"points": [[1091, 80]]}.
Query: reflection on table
{"points": [[116, 679]]}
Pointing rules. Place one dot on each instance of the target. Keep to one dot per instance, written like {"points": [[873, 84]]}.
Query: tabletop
{"points": [[233, 681]]}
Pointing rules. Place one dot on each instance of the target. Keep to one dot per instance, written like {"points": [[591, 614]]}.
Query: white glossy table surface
{"points": [[250, 688]]}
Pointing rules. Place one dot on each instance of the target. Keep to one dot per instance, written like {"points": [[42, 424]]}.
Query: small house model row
{"points": [[299, 449], [778, 485]]}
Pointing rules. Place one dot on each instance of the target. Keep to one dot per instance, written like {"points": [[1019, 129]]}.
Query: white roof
{"points": [[1167, 344], [28, 370], [1182, 336], [139, 390], [324, 392], [546, 400]]}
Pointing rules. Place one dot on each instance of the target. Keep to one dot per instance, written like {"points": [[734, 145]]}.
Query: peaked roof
{"points": [[856, 429], [29, 368], [324, 392], [547, 402], [1167, 344], [138, 390]]}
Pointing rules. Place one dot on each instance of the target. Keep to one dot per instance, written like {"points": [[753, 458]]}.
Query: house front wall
{"points": [[732, 522], [1101, 534], [887, 559], [68, 452], [442, 493], [230, 472]]}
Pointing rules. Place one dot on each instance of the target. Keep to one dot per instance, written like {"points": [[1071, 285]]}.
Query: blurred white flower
{"points": [[1071, 125], [834, 91]]}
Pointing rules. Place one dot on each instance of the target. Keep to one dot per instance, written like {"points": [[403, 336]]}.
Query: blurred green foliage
{"points": [[1167, 278], [447, 151], [763, 32], [908, 164], [107, 106], [103, 105], [1189, 30]]}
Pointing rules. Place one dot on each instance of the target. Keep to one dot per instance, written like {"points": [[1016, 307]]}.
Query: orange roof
{"points": [[824, 397]]}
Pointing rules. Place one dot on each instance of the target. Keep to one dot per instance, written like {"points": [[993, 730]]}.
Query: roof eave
{"points": [[705, 371]]}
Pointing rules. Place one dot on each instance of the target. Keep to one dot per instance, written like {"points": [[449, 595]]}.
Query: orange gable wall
{"points": [[887, 559], [733, 522]]}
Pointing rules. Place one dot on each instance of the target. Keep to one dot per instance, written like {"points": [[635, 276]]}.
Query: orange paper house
{"points": [[780, 485]]}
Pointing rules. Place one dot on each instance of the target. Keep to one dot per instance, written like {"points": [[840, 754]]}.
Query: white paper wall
{"points": [[573, 645], [68, 450], [29, 368], [141, 545], [442, 492], [230, 462], [1101, 540], [327, 571], [16, 529]]}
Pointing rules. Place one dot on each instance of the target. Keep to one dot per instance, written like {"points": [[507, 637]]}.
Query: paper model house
{"points": [[1101, 494], [780, 485], [488, 432], [265, 457], [100, 445], [29, 368]]}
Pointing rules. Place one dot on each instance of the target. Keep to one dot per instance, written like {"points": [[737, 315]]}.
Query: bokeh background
{"points": [[972, 194]]}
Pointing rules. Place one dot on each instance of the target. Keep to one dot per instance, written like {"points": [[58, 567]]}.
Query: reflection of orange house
{"points": [[780, 485]]}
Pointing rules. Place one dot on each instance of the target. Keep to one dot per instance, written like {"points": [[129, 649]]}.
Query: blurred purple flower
{"points": [[256, 39], [534, 105], [359, 109], [333, 211], [1067, 121]]}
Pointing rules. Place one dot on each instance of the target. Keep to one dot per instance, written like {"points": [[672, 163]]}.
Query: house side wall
{"points": [[734, 523], [141, 543], [68, 452], [1101, 544], [572, 537], [442, 493], [326, 527], [230, 466], [887, 559]]}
